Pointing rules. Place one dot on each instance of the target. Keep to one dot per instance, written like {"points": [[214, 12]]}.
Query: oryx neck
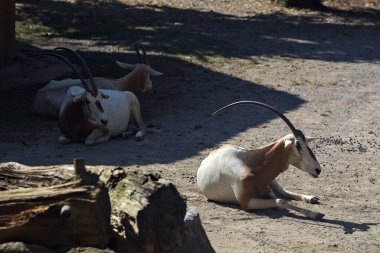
{"points": [[133, 81], [267, 162]]}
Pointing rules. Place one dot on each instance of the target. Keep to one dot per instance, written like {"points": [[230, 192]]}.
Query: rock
{"points": [[196, 240]]}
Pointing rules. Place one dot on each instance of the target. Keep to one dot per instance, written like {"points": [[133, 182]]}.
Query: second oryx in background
{"points": [[94, 115], [48, 100], [232, 174]]}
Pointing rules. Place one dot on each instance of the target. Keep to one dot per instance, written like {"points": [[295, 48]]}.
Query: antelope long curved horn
{"points": [[136, 46], [144, 54], [84, 64], [296, 132], [70, 65]]}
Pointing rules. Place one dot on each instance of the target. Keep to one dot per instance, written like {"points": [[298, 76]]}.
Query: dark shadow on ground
{"points": [[179, 108], [193, 32], [348, 227], [187, 93]]}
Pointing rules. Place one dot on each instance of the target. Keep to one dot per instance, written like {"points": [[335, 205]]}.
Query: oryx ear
{"points": [[293, 144], [153, 72], [125, 65], [311, 139], [77, 93], [288, 142], [104, 95]]}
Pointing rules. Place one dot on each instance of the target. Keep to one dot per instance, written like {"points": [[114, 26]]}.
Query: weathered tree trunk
{"points": [[16, 176], [147, 212], [146, 208], [75, 213], [7, 30]]}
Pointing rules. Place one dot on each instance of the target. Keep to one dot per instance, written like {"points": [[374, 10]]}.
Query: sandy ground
{"points": [[320, 68]]}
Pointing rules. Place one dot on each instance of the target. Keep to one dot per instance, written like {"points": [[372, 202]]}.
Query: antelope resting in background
{"points": [[94, 115], [247, 177], [48, 100]]}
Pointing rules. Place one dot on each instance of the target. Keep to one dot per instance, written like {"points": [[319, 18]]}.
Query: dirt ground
{"points": [[321, 68]]}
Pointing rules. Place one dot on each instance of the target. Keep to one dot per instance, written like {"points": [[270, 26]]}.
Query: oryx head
{"points": [[89, 98], [142, 65], [301, 156], [91, 104]]}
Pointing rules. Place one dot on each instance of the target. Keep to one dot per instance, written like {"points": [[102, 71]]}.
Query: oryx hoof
{"points": [[63, 140], [139, 136], [315, 215], [312, 200], [318, 216]]}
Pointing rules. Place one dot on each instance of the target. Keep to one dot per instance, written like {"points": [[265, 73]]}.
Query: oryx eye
{"points": [[298, 145], [87, 101]]}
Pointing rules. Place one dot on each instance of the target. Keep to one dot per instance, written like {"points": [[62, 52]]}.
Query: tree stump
{"points": [[7, 30]]}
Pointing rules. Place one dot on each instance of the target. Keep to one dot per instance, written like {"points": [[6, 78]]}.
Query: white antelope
{"points": [[48, 100], [247, 177], [94, 115]]}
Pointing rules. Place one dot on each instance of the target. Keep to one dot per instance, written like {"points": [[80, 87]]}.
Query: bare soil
{"points": [[320, 67]]}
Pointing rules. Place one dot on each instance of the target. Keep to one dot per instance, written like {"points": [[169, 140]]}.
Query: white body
{"points": [[118, 110], [217, 176]]}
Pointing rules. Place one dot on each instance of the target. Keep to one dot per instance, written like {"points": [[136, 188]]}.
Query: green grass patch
{"points": [[27, 30]]}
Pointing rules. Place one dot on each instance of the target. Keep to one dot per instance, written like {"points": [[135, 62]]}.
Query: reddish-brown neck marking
{"points": [[134, 81], [73, 123], [264, 165]]}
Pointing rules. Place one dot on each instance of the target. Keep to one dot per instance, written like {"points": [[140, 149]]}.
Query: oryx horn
{"points": [[137, 46], [84, 64], [70, 65], [296, 132]]}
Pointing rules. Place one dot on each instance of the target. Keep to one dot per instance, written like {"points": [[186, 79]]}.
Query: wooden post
{"points": [[7, 30]]}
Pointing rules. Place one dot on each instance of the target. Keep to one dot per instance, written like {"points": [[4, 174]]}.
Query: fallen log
{"points": [[146, 208], [75, 213], [146, 212], [15, 176]]}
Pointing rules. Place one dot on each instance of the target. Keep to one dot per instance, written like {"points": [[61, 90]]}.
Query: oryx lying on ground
{"points": [[48, 100], [94, 115], [247, 177]]}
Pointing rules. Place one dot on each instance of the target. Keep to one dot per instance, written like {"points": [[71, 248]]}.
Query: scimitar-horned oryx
{"points": [[232, 174]]}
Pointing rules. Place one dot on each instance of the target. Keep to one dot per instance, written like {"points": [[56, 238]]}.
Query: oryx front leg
{"points": [[281, 192], [98, 135], [282, 204], [63, 139], [135, 110]]}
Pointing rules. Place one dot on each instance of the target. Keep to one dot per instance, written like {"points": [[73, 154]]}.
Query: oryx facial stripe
{"points": [[298, 146], [311, 154], [99, 106]]}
